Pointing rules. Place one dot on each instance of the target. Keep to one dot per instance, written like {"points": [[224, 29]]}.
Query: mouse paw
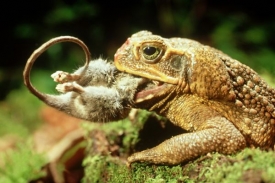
{"points": [[63, 77], [67, 87]]}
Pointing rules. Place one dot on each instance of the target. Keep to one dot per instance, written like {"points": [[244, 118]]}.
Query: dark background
{"points": [[242, 29]]}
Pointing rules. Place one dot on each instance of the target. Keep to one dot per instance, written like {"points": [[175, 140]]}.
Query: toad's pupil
{"points": [[149, 50]]}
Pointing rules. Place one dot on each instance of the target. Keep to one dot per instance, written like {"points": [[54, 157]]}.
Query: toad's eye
{"points": [[151, 52]]}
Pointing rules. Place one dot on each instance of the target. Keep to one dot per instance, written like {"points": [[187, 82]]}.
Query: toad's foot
{"points": [[222, 137], [67, 87], [62, 77]]}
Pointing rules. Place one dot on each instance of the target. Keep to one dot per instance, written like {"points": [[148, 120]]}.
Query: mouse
{"points": [[95, 92]]}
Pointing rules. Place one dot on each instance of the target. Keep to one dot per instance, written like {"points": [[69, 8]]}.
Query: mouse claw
{"points": [[62, 88], [68, 87], [63, 77], [60, 76]]}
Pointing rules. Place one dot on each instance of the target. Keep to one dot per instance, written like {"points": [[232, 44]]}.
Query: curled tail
{"points": [[42, 49]]}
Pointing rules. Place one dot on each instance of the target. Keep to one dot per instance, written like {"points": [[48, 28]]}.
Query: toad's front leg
{"points": [[219, 135]]}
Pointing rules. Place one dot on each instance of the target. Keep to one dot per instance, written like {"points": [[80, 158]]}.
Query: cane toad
{"points": [[224, 104]]}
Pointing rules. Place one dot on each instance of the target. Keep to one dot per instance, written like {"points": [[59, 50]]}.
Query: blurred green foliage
{"points": [[19, 113], [244, 31], [240, 31], [249, 44], [21, 165]]}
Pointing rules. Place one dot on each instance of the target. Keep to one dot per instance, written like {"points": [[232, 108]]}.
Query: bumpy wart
{"points": [[224, 104]]}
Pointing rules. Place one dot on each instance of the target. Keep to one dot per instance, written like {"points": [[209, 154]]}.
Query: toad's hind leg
{"points": [[218, 135]]}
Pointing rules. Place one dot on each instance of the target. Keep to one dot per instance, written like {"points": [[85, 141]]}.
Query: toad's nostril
{"points": [[127, 41], [122, 48], [116, 56]]}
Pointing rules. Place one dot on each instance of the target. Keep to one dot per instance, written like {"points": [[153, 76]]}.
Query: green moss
{"points": [[110, 168], [246, 166], [19, 117], [106, 169], [21, 165], [125, 130]]}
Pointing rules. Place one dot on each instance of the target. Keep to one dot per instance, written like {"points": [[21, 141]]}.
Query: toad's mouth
{"points": [[148, 90]]}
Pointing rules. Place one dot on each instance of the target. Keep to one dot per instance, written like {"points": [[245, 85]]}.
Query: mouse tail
{"points": [[42, 49]]}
